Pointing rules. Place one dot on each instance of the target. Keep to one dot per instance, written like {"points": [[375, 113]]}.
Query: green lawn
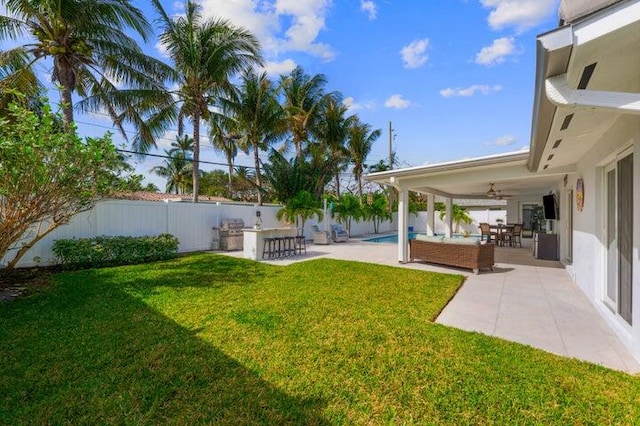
{"points": [[211, 339]]}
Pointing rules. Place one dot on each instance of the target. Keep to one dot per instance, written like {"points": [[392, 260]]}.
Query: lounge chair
{"points": [[338, 234], [320, 237]]}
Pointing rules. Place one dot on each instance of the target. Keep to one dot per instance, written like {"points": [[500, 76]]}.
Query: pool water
{"points": [[394, 237]]}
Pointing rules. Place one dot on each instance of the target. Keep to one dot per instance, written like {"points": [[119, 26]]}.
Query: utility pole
{"points": [[390, 147], [391, 191]]}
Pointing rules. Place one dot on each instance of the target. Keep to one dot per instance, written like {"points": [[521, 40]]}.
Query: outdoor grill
{"points": [[231, 235]]}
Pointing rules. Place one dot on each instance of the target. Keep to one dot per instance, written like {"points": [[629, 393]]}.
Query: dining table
{"points": [[500, 229]]}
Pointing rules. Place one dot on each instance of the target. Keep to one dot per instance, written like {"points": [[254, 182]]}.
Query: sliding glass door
{"points": [[618, 223]]}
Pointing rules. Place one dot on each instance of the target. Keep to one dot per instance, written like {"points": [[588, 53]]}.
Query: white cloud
{"points": [[280, 25], [470, 91], [497, 52], [369, 7], [279, 68], [397, 101], [162, 49], [352, 105], [505, 140], [521, 14], [414, 54]]}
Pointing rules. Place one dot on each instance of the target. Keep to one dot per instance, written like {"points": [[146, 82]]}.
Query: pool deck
{"points": [[529, 301]]}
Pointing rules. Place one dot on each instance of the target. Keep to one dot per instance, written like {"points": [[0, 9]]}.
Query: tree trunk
{"points": [[67, 107], [25, 247], [338, 184], [196, 155], [230, 177], [359, 179], [256, 159]]}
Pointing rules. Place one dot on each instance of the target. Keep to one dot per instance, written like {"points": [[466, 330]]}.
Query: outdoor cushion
{"points": [[432, 238], [462, 241]]}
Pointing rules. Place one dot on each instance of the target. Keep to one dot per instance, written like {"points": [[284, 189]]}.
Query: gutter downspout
{"points": [[560, 94]]}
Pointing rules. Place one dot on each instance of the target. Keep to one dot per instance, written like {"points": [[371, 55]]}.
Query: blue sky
{"points": [[455, 77]]}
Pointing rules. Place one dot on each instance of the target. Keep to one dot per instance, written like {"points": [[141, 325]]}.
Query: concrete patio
{"points": [[524, 300]]}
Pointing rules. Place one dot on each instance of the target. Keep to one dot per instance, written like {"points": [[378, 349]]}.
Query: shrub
{"points": [[100, 252]]}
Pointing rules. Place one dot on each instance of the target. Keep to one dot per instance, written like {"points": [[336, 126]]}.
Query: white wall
{"points": [[589, 252], [191, 223]]}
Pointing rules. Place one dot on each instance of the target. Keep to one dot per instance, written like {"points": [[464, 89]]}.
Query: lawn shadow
{"points": [[216, 272], [113, 359]]}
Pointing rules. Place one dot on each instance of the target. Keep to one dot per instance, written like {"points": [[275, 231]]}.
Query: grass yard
{"points": [[210, 339]]}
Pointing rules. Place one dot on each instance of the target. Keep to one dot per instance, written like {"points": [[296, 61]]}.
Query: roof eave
{"points": [[552, 58], [385, 177]]}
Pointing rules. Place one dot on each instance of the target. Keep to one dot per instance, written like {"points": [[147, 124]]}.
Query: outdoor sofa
{"points": [[459, 252]]}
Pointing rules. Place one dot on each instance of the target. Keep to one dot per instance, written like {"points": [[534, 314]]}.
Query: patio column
{"points": [[448, 217], [403, 221], [430, 214]]}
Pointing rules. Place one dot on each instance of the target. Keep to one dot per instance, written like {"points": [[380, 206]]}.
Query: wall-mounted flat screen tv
{"points": [[550, 205]]}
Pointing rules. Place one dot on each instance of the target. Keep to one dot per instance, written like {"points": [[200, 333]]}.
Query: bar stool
{"points": [[290, 246], [301, 243], [269, 247]]}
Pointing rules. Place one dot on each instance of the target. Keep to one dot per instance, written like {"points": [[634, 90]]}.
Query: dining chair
{"points": [[485, 230]]}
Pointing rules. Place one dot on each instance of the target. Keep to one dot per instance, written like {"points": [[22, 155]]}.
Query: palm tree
{"points": [[205, 54], [91, 48], [183, 144], [256, 117], [359, 144], [459, 215], [376, 210], [348, 208], [304, 97], [177, 171], [225, 143], [332, 134], [302, 207]]}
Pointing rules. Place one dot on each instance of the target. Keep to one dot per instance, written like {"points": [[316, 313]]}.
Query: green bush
{"points": [[100, 252]]}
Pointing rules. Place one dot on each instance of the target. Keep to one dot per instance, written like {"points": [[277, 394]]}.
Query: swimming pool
{"points": [[393, 238]]}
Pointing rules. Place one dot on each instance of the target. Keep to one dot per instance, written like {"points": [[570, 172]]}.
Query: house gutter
{"points": [[560, 94]]}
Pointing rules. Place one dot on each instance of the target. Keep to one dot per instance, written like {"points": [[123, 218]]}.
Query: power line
{"points": [[186, 159]]}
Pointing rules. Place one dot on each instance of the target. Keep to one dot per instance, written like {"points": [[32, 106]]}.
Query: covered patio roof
{"points": [[471, 178]]}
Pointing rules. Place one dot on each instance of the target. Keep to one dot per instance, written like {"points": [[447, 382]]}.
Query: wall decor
{"points": [[580, 194]]}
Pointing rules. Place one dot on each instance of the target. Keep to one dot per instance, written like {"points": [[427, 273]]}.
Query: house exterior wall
{"points": [[588, 267]]}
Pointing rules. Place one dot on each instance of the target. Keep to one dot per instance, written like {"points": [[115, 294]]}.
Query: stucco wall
{"points": [[588, 247]]}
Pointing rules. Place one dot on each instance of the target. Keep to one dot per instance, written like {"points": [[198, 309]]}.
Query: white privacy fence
{"points": [[193, 224]]}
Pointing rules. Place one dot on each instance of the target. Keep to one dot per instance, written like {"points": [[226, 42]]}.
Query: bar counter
{"points": [[254, 239]]}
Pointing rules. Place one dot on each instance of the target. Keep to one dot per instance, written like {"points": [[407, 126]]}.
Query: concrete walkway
{"points": [[524, 300]]}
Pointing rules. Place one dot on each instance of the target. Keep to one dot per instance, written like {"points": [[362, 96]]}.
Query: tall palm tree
{"points": [[177, 171], [304, 97], [255, 115], [206, 54], [224, 142], [359, 144], [332, 133], [92, 49]]}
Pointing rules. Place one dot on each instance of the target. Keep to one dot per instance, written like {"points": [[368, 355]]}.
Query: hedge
{"points": [[100, 252]]}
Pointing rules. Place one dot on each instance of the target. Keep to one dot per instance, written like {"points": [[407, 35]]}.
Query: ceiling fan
{"points": [[491, 193], [496, 194]]}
